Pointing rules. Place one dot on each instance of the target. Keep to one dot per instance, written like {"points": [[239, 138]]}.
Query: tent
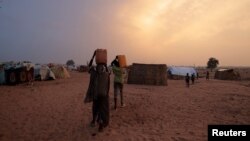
{"points": [[19, 72], [227, 74], [60, 71], [149, 74], [43, 72], [180, 72]]}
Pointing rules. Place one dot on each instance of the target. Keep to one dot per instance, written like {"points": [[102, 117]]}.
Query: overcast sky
{"points": [[172, 32]]}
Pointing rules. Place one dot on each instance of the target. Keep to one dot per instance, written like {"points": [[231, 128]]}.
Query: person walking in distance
{"points": [[187, 78], [192, 78], [207, 75]]}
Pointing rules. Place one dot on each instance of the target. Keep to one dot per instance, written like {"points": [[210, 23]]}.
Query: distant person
{"points": [[98, 92], [192, 78], [187, 78], [197, 75], [118, 82], [207, 75], [170, 74]]}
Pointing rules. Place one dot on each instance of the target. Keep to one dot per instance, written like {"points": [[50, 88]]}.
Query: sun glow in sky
{"points": [[173, 32], [148, 22], [149, 17]]}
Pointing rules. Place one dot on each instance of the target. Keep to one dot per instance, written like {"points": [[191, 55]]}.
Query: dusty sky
{"points": [[172, 32]]}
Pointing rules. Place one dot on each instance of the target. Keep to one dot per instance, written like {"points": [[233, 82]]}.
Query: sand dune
{"points": [[54, 111]]}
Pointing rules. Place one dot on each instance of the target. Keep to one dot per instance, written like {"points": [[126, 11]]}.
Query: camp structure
{"points": [[19, 72], [244, 72], [180, 72], [82, 68], [43, 72], [60, 71], [227, 74], [148, 74]]}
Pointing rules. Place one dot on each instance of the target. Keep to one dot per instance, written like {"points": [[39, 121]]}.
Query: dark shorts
{"points": [[118, 89]]}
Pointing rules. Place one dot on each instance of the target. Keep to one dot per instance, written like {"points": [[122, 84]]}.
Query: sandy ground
{"points": [[54, 111]]}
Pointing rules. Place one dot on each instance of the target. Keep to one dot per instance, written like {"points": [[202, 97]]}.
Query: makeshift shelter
{"points": [[180, 72], [83, 68], [19, 72], [227, 74], [149, 74], [244, 72], [60, 71], [43, 72]]}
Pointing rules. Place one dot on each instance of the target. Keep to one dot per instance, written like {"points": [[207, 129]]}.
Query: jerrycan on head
{"points": [[101, 56], [122, 61]]}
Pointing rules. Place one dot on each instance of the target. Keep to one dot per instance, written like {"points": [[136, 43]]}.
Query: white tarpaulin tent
{"points": [[181, 71], [43, 72]]}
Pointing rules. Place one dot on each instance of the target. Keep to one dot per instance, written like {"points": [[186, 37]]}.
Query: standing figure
{"points": [[118, 81], [207, 75], [101, 95], [187, 78], [98, 92], [192, 78]]}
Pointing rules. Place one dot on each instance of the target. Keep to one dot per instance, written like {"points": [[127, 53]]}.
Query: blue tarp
{"points": [[182, 71]]}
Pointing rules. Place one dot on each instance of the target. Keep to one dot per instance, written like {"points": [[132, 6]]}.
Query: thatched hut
{"points": [[227, 74], [149, 74]]}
